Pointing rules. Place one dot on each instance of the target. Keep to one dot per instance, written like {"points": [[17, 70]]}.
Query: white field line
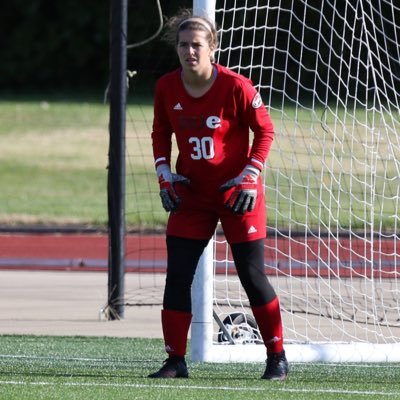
{"points": [[161, 386], [222, 388], [105, 359], [53, 358]]}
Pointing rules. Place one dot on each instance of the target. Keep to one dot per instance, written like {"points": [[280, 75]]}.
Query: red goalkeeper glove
{"points": [[244, 197], [167, 180]]}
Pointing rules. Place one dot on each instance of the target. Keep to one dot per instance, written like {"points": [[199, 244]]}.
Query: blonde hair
{"points": [[185, 20]]}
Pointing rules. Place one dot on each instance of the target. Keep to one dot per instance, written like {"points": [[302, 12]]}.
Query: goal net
{"points": [[329, 73]]}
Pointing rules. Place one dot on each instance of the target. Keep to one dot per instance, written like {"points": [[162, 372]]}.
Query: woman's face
{"points": [[194, 51]]}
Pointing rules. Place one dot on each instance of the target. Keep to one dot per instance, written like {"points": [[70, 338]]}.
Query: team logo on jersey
{"points": [[178, 106], [199, 121], [213, 122], [257, 101]]}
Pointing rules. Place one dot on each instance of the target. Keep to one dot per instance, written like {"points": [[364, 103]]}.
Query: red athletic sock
{"points": [[175, 326], [269, 321]]}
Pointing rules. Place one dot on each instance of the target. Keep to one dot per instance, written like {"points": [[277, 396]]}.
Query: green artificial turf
{"points": [[43, 367]]}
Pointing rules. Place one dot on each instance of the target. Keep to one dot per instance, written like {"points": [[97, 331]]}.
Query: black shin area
{"points": [[249, 261], [183, 256]]}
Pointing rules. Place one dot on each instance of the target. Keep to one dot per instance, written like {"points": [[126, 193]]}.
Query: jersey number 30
{"points": [[202, 148]]}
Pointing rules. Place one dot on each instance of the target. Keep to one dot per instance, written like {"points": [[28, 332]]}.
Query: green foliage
{"points": [[57, 45], [54, 44]]}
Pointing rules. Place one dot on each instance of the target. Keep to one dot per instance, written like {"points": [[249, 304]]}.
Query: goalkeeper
{"points": [[211, 110]]}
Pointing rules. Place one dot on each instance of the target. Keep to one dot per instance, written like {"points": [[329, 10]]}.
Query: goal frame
{"points": [[202, 346]]}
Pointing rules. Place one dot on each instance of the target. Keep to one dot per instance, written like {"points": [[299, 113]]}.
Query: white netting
{"points": [[330, 75], [329, 72]]}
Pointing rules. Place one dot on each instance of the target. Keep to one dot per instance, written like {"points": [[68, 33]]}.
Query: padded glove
{"points": [[167, 180], [244, 196]]}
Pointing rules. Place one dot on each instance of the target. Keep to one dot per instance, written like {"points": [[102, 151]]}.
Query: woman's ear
{"points": [[212, 53]]}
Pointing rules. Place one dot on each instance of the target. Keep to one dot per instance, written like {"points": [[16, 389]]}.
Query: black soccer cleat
{"points": [[174, 367], [277, 367]]}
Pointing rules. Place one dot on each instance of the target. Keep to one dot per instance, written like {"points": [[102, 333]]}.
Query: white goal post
{"points": [[329, 74]]}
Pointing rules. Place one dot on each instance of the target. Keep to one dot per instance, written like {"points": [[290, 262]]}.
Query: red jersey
{"points": [[212, 131]]}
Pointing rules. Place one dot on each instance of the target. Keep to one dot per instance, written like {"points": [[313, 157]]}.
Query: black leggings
{"points": [[183, 257]]}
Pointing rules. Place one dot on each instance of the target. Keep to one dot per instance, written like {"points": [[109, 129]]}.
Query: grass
{"points": [[53, 166], [54, 162], [42, 367]]}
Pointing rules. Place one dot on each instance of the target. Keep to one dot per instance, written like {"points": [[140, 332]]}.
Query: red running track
{"points": [[77, 251], [342, 257]]}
